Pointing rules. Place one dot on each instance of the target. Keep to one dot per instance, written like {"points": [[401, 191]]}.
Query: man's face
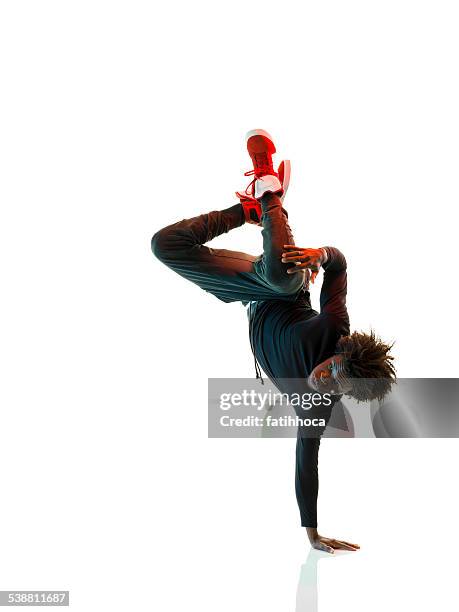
{"points": [[330, 377]]}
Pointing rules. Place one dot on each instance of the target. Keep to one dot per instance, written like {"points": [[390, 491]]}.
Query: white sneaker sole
{"points": [[287, 172], [258, 133]]}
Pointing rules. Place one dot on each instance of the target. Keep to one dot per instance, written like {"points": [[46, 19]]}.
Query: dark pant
{"points": [[229, 275]]}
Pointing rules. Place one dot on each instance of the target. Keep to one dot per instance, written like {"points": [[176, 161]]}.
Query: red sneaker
{"points": [[252, 207], [261, 147]]}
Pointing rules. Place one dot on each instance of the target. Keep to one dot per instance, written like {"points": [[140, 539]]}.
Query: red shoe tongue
{"points": [[260, 144], [262, 164]]}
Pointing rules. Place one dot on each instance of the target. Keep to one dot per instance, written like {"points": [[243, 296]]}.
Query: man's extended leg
{"points": [[231, 275]]}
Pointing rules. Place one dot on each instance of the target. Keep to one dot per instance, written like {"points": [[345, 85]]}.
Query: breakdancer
{"points": [[290, 340]]}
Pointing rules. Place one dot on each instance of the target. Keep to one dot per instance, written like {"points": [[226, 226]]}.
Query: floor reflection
{"points": [[306, 595]]}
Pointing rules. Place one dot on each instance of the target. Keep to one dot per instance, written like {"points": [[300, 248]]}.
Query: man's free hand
{"points": [[303, 259]]}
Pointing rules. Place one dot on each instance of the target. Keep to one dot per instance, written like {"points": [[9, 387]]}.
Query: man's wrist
{"points": [[312, 533]]}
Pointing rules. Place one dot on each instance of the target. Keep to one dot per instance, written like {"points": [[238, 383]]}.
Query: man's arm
{"points": [[307, 486], [334, 286], [307, 479]]}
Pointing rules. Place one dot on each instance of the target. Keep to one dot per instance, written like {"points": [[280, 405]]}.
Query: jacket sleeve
{"points": [[307, 473], [307, 479], [334, 286]]}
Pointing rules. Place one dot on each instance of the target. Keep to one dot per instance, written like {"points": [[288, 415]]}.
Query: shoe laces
{"points": [[263, 167]]}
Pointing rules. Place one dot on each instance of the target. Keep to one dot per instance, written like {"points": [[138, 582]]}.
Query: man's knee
{"points": [[160, 244], [287, 284]]}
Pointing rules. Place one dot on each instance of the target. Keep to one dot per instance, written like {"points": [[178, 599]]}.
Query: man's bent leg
{"points": [[229, 275]]}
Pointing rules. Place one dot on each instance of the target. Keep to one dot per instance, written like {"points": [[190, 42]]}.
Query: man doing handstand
{"points": [[289, 339]]}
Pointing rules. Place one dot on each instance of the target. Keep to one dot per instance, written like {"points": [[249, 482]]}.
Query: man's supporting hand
{"points": [[328, 544], [304, 258]]}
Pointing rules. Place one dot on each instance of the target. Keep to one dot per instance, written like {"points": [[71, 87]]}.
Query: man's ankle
{"points": [[271, 198]]}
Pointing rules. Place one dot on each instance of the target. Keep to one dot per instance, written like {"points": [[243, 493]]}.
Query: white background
{"points": [[118, 118]]}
